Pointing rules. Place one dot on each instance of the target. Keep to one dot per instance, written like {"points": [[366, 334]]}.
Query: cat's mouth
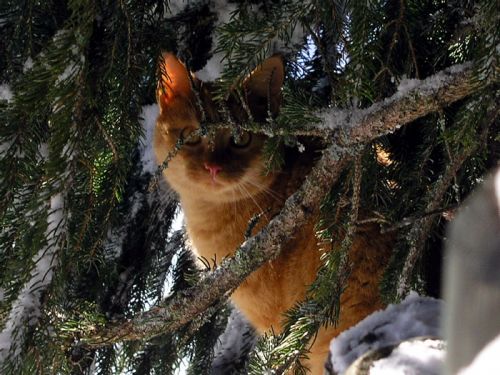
{"points": [[214, 182], [217, 182], [226, 187], [226, 182]]}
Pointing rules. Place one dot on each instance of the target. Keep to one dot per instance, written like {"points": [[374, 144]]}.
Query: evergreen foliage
{"points": [[86, 236]]}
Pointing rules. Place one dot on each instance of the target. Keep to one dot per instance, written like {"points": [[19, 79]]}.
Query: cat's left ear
{"points": [[263, 86], [174, 81]]}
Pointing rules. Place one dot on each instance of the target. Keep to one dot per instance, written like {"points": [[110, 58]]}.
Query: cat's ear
{"points": [[174, 81], [264, 84]]}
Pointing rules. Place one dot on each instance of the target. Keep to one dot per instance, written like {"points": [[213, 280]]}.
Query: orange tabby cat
{"points": [[222, 184]]}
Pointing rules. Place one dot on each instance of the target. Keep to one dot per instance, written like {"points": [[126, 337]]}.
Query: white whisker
{"points": [[235, 203], [251, 197], [264, 189]]}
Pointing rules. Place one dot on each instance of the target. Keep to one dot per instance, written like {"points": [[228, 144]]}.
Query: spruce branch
{"points": [[360, 127]]}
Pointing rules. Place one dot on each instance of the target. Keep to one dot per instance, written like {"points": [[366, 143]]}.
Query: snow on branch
{"points": [[416, 316], [414, 99], [25, 311], [5, 92], [417, 99]]}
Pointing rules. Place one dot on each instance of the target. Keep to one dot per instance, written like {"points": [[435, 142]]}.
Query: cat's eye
{"points": [[242, 140], [190, 136]]}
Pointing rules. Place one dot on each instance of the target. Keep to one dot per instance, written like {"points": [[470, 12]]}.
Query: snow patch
{"points": [[77, 61], [116, 236], [174, 232], [176, 6], [429, 84], [137, 204], [6, 145], [333, 118], [237, 340], [174, 236], [213, 68], [178, 222], [486, 362], [321, 85], [28, 64], [148, 116], [224, 10], [415, 316], [407, 84], [43, 151], [69, 71], [414, 357], [5, 92]]}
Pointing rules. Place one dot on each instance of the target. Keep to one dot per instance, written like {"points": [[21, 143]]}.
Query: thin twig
{"points": [[108, 140], [407, 221]]}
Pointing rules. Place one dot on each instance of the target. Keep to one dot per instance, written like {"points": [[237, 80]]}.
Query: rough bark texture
{"points": [[361, 126]]}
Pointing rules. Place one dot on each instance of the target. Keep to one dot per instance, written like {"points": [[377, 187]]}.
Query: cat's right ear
{"points": [[263, 87], [174, 81]]}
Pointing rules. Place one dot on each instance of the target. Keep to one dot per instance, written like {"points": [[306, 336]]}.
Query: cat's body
{"points": [[222, 185]]}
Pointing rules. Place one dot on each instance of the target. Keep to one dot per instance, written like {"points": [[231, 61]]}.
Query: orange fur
{"points": [[217, 212]]}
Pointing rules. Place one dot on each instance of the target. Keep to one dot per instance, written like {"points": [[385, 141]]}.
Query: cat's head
{"points": [[218, 167]]}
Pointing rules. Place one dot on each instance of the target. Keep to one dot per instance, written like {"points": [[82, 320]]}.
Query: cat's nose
{"points": [[213, 169]]}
